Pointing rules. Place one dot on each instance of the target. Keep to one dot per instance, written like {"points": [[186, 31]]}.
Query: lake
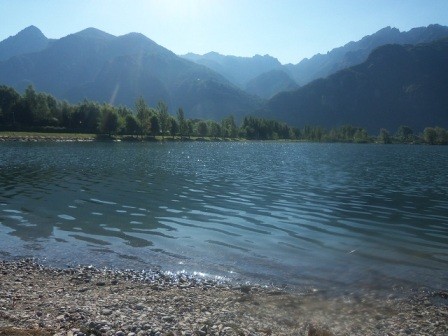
{"points": [[295, 214]]}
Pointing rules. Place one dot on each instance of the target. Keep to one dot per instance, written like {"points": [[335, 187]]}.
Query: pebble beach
{"points": [[85, 301]]}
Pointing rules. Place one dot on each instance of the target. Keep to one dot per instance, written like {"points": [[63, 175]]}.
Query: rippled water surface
{"points": [[288, 213]]}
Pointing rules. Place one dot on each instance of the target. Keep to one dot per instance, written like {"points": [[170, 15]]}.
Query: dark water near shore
{"points": [[325, 215]]}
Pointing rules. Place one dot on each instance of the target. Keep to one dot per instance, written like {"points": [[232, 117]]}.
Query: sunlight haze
{"points": [[289, 30]]}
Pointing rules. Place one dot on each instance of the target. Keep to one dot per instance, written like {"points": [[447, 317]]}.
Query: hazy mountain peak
{"points": [[28, 40], [213, 53], [387, 29], [356, 52], [263, 56], [136, 37], [237, 69], [270, 83], [217, 56], [30, 31], [94, 33], [136, 43]]}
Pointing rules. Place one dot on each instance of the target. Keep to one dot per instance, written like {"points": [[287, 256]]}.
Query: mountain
{"points": [[396, 85], [255, 74], [320, 66], [26, 41], [95, 65], [93, 33], [270, 83], [238, 70]]}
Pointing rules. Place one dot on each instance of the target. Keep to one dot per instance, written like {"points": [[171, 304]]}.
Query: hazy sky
{"points": [[287, 29]]}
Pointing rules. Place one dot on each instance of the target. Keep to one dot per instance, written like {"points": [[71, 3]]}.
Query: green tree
{"points": [[66, 118], [55, 114], [214, 129], [155, 124], [164, 117], [174, 127], [384, 136], [123, 111], [312, 133], [92, 117], [108, 121], [361, 136], [30, 97], [229, 128], [41, 110], [183, 127], [441, 136], [24, 110], [143, 116], [429, 135], [190, 128], [131, 125], [250, 128], [202, 128], [86, 117], [404, 134], [348, 133], [9, 98]]}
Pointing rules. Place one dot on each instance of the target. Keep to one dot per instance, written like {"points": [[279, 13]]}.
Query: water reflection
{"points": [[299, 213]]}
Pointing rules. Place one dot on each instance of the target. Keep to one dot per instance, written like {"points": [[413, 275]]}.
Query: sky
{"points": [[289, 30]]}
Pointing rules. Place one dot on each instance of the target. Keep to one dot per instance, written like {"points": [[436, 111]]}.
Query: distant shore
{"points": [[81, 137], [37, 300], [35, 136], [16, 136]]}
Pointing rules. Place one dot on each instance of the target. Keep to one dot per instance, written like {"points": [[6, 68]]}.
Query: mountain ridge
{"points": [[235, 68], [28, 40], [92, 32], [396, 85], [95, 65], [356, 52], [268, 84]]}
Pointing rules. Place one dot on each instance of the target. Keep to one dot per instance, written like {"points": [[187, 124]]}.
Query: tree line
{"points": [[42, 112], [347, 133]]}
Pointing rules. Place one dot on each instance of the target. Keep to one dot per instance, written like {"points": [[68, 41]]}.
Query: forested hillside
{"points": [[356, 52], [397, 85]]}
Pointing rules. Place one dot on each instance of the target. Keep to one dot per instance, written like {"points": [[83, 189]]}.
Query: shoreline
{"points": [[84, 301], [18, 136], [42, 137]]}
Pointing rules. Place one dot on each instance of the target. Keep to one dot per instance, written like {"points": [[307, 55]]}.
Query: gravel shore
{"points": [[36, 300], [46, 137]]}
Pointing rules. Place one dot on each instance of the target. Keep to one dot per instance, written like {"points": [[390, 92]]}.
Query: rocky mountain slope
{"points": [[396, 85], [94, 65]]}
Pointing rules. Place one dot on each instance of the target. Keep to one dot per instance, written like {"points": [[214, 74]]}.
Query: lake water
{"points": [[300, 214]]}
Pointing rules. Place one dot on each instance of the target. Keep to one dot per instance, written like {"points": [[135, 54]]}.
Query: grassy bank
{"points": [[40, 136]]}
